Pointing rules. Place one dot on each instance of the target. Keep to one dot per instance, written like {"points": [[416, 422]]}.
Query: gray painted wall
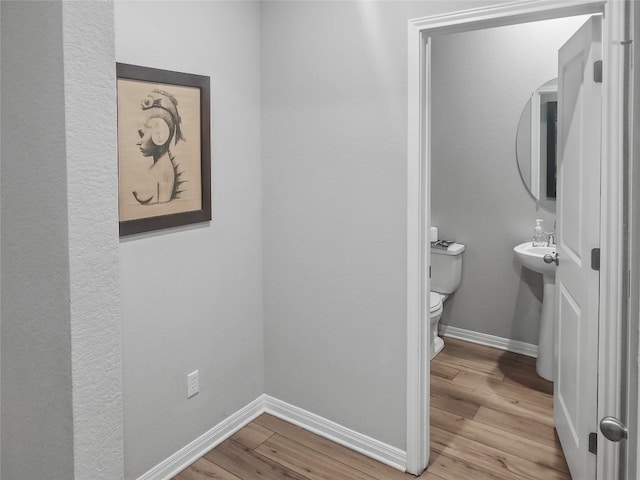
{"points": [[61, 370], [335, 191], [192, 297], [36, 339], [481, 82]]}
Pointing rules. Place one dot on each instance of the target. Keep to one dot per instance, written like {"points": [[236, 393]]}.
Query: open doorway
{"points": [[419, 170], [489, 90]]}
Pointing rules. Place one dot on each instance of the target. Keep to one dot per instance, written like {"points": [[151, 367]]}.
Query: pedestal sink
{"points": [[533, 258]]}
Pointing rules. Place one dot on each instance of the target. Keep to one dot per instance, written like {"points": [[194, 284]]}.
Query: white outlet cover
{"points": [[193, 383]]}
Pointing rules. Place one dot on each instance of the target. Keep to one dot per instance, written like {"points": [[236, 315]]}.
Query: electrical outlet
{"points": [[193, 383]]}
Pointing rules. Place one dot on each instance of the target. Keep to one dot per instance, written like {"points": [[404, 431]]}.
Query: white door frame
{"points": [[419, 207]]}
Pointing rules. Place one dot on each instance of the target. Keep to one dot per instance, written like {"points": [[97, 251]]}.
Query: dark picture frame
{"points": [[164, 148]]}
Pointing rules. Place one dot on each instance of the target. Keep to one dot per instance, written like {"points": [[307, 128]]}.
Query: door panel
{"points": [[578, 231], [568, 331]]}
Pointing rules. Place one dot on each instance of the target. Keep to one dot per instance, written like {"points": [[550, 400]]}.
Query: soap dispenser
{"points": [[538, 236]]}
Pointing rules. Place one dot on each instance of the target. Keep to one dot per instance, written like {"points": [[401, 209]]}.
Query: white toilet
{"points": [[446, 273]]}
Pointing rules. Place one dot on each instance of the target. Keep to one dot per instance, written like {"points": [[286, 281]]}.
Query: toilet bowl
{"points": [[436, 301]]}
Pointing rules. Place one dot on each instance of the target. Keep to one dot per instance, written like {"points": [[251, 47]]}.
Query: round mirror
{"points": [[536, 144]]}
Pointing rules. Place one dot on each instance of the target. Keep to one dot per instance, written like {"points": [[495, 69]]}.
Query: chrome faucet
{"points": [[551, 240]]}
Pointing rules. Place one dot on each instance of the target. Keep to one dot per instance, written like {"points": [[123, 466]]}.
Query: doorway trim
{"points": [[418, 204]]}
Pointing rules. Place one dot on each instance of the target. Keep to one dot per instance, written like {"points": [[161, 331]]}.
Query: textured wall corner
{"points": [[90, 118]]}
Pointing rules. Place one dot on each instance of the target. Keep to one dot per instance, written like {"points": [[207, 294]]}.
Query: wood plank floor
{"points": [[491, 419]]}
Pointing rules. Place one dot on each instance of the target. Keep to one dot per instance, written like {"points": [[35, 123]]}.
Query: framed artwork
{"points": [[164, 149]]}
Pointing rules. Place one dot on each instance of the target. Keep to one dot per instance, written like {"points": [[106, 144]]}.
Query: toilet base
{"points": [[438, 345]]}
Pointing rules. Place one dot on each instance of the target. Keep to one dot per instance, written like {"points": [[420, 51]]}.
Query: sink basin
{"points": [[532, 258]]}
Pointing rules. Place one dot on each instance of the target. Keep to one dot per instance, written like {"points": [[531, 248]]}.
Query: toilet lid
{"points": [[435, 300]]}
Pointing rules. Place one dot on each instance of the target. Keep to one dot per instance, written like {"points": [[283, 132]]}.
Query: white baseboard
{"points": [[201, 445], [514, 346], [382, 452], [368, 446]]}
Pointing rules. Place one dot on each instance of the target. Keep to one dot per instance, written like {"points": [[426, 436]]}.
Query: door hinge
{"points": [[597, 71], [595, 259], [593, 443], [429, 271]]}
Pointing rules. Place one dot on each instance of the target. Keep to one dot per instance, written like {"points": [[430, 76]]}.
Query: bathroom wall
{"points": [[192, 296], [335, 193], [481, 83]]}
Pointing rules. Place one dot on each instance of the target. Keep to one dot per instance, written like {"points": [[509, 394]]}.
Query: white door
{"points": [[578, 232]]}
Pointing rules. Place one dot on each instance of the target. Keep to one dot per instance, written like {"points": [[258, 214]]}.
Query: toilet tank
{"points": [[446, 268]]}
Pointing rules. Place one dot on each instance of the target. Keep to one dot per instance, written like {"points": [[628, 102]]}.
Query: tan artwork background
{"points": [[133, 167]]}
